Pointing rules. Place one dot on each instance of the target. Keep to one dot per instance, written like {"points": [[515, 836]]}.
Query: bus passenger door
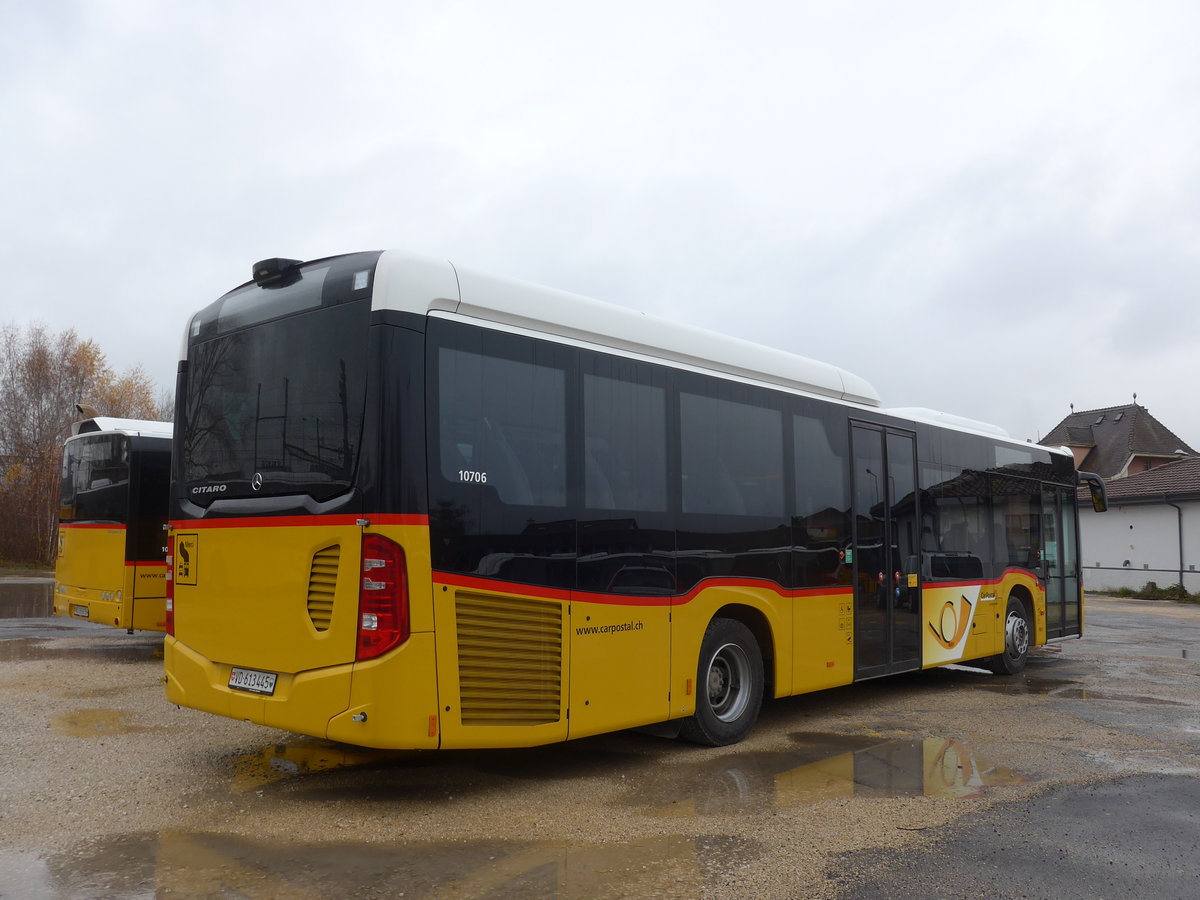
{"points": [[886, 563], [1060, 561]]}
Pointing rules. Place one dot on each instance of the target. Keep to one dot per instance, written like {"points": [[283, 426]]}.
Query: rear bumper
{"points": [[390, 702]]}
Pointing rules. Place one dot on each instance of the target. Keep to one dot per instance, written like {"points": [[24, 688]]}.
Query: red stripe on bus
{"points": [[547, 593], [146, 562], [298, 521], [91, 525], [502, 587], [929, 583]]}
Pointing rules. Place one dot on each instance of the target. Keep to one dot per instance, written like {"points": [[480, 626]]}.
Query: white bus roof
{"points": [[133, 427], [421, 285]]}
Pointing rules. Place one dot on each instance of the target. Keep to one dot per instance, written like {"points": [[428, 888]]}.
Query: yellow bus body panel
{"points": [[149, 586], [251, 595], [962, 622], [393, 700], [90, 571], [620, 665], [192, 680], [492, 665], [94, 582], [823, 626], [293, 591]]}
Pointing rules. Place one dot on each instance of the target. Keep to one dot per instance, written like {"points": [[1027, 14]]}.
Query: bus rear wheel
{"points": [[1018, 631], [729, 685]]}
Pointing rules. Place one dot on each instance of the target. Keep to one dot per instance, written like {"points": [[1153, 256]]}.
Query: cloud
{"points": [[986, 209]]}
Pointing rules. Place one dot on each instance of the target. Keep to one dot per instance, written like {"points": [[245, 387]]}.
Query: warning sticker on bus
{"points": [[252, 681]]}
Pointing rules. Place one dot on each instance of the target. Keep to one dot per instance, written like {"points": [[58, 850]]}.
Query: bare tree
{"points": [[43, 376]]}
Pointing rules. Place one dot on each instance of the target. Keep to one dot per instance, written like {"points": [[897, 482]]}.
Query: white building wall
{"points": [[1128, 546]]}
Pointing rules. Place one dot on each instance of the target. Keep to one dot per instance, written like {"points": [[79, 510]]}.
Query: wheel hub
{"points": [[728, 682], [1017, 635]]}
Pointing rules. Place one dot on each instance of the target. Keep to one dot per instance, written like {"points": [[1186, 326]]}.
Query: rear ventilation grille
{"points": [[509, 660], [322, 580]]}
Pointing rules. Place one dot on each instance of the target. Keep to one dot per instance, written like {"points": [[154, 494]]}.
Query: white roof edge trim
{"points": [[421, 285], [659, 359], [134, 427], [962, 423], [414, 283], [950, 420]]}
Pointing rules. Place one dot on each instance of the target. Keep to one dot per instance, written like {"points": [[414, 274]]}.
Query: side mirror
{"points": [[1095, 486]]}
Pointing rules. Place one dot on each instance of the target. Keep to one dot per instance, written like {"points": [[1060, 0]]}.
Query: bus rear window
{"points": [[276, 408], [95, 479], [251, 304]]}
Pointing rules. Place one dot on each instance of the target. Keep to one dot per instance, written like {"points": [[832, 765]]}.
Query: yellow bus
{"points": [[417, 506], [111, 567]]}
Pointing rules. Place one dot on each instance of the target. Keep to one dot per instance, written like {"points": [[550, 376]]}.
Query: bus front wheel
{"points": [[729, 685], [1018, 631]]}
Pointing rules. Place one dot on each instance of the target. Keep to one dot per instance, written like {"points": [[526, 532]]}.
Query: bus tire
{"points": [[729, 685], [1018, 633]]}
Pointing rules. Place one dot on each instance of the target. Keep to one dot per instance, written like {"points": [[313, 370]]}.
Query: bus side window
{"points": [[732, 457], [502, 425], [625, 440], [598, 487], [503, 467]]}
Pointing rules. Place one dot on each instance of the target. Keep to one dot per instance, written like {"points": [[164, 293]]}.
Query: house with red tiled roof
{"points": [[1151, 531]]}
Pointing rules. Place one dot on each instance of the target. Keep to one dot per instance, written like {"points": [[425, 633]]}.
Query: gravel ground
{"points": [[107, 790]]}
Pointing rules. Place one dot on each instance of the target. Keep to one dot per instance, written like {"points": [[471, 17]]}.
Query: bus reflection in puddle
{"points": [[929, 767], [823, 767]]}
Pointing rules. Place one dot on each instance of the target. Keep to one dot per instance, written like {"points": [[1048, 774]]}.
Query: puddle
{"points": [[815, 772], [104, 648], [194, 865], [1071, 690], [89, 723], [1079, 693], [315, 770], [821, 767], [26, 598], [1024, 686], [23, 874]]}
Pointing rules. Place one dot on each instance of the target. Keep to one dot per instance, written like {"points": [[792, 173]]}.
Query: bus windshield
{"points": [[276, 408], [95, 479]]}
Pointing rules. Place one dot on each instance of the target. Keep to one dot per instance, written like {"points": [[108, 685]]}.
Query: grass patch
{"points": [[1151, 591]]}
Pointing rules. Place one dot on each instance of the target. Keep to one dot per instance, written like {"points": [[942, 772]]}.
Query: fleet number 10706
{"points": [[474, 477]]}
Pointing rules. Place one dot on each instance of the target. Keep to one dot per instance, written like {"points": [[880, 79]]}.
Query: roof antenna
{"points": [[1135, 398], [1072, 409]]}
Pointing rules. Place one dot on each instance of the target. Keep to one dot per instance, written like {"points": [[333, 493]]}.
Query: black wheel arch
{"points": [[760, 627]]}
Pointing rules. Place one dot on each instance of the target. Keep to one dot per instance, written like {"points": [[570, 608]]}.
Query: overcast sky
{"points": [[990, 209]]}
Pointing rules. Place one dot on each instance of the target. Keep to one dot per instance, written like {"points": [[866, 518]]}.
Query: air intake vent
{"points": [[322, 580], [509, 660]]}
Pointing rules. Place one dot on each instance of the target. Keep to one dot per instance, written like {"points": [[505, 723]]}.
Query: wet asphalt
{"points": [[1080, 778], [1132, 837]]}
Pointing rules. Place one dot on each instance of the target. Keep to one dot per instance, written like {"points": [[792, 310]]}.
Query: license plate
{"points": [[252, 681], [81, 611]]}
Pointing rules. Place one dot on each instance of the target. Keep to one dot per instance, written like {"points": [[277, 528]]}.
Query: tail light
{"points": [[382, 598], [170, 585]]}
